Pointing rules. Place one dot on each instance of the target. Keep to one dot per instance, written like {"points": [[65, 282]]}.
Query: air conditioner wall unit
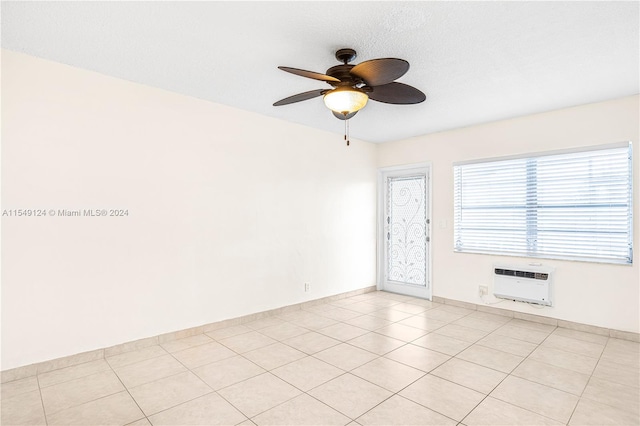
{"points": [[523, 283]]}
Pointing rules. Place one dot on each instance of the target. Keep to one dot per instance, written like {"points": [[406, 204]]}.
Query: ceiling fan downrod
{"points": [[346, 55]]}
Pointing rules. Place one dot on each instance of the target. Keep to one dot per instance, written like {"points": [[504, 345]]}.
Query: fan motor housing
{"points": [[342, 73]]}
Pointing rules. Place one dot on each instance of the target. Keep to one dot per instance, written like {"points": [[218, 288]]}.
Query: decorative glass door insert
{"points": [[407, 231]]}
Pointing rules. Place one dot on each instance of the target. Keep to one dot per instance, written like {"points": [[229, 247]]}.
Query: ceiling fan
{"points": [[354, 85]]}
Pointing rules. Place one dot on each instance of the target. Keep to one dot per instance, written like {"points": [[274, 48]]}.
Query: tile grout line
{"points": [[137, 362], [277, 405], [343, 373], [87, 402], [77, 378], [505, 378], [580, 397], [451, 357], [485, 395], [164, 377], [130, 396], [307, 393], [405, 343], [569, 353], [428, 373], [398, 392], [324, 403], [177, 405], [587, 384], [189, 370], [44, 410], [189, 347], [269, 372], [236, 408], [69, 380], [563, 368], [199, 378], [589, 381]]}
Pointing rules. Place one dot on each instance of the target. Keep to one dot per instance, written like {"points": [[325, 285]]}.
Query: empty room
{"points": [[320, 213]]}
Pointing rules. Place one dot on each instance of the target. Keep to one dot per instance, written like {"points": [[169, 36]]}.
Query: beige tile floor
{"points": [[372, 359]]}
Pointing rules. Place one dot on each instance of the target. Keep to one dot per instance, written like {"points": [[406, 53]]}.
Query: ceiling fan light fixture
{"points": [[345, 100]]}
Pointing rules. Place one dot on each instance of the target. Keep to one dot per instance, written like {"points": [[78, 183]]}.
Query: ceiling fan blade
{"points": [[342, 116], [310, 74], [377, 72], [397, 93], [300, 97]]}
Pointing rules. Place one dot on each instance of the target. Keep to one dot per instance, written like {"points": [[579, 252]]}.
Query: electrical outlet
{"points": [[307, 287], [483, 290]]}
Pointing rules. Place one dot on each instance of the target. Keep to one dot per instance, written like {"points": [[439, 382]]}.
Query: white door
{"points": [[404, 231]]}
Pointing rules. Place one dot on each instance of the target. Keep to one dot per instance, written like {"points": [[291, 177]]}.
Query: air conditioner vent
{"points": [[523, 274]]}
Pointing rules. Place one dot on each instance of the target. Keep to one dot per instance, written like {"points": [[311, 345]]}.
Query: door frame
{"points": [[423, 167]]}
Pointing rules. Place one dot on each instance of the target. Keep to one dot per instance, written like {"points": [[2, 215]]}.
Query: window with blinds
{"points": [[573, 205]]}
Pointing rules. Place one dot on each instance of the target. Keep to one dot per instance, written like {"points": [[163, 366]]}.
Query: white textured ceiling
{"points": [[476, 61]]}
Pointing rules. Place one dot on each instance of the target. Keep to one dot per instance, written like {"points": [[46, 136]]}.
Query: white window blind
{"points": [[565, 205]]}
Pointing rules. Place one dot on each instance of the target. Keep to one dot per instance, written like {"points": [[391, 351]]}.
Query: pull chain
{"points": [[346, 131], [346, 127]]}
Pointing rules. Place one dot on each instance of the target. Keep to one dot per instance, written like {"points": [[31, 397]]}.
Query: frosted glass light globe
{"points": [[345, 100]]}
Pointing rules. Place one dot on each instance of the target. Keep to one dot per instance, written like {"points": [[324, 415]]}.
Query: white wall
{"points": [[596, 294], [230, 212]]}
